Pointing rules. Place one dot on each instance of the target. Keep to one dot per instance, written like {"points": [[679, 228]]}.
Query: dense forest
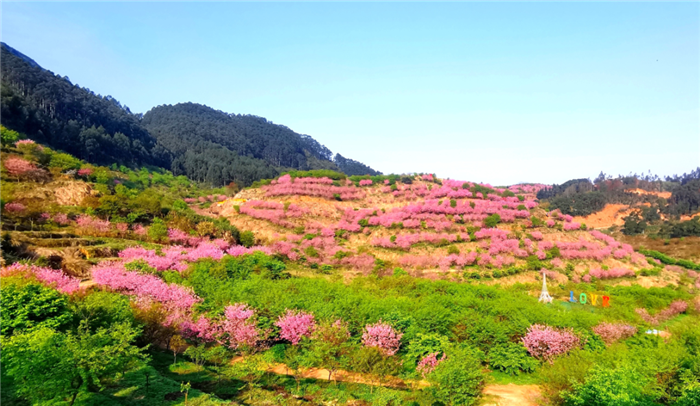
{"points": [[352, 167], [189, 139], [53, 110]]}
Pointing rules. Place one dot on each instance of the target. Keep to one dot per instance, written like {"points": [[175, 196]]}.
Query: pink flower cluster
{"points": [[17, 166], [273, 212], [295, 325], [139, 229], [25, 142], [15, 207], [429, 363], [605, 238], [613, 332], [87, 223], [675, 308], [320, 187], [61, 219], [571, 226], [609, 274], [52, 277], [435, 213], [366, 182], [236, 329], [237, 250], [85, 172], [493, 233], [173, 297], [582, 249], [178, 236], [545, 342], [382, 336], [172, 259]]}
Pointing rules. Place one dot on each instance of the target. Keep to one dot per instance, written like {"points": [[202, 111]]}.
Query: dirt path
{"points": [[494, 395], [511, 395]]}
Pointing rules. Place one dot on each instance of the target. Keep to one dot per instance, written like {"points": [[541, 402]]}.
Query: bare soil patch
{"points": [[511, 395]]}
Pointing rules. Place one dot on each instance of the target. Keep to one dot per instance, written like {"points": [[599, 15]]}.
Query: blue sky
{"points": [[500, 93]]}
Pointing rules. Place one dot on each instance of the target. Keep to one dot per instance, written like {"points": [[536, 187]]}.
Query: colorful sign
{"points": [[583, 299]]}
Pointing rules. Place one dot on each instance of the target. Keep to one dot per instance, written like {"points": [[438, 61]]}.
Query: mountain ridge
{"points": [[203, 143]]}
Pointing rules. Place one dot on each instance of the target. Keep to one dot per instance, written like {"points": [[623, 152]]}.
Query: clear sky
{"points": [[500, 93]]}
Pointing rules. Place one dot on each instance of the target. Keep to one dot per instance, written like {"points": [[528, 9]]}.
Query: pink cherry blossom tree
{"points": [[295, 325], [382, 336]]}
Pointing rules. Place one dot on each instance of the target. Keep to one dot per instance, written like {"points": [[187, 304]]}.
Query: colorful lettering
{"points": [[583, 298], [594, 299], [571, 296], [606, 301]]}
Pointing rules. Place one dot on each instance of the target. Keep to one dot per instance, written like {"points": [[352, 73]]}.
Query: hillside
{"points": [[400, 289], [188, 139]]}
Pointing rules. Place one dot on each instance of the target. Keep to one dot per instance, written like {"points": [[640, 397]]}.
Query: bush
{"points": [[458, 380], [492, 220], [158, 231], [8, 137], [64, 161], [512, 359], [247, 239], [31, 307], [622, 386]]}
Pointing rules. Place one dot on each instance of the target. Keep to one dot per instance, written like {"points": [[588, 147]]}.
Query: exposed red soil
{"points": [[610, 216]]}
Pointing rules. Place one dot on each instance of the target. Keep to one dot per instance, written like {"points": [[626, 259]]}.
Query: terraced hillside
{"points": [[125, 286]]}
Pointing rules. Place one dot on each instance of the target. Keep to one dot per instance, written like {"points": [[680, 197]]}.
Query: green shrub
{"points": [[64, 161], [158, 231], [512, 359], [492, 220], [458, 380], [247, 239], [8, 137], [622, 386], [31, 307]]}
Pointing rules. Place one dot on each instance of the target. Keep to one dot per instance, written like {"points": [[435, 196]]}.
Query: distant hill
{"points": [[53, 110], [189, 139]]}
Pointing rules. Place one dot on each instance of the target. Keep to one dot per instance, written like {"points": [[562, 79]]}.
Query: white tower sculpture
{"points": [[544, 296]]}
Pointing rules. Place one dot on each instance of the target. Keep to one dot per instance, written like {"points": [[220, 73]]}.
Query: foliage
{"points": [[622, 386], [458, 380], [46, 364], [32, 307], [247, 239], [511, 358]]}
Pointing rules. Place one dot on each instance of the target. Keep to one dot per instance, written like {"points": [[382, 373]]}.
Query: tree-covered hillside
{"points": [[53, 110], [189, 139]]}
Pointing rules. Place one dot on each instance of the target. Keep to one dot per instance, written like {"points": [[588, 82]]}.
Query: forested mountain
{"points": [[190, 139], [53, 110], [352, 167]]}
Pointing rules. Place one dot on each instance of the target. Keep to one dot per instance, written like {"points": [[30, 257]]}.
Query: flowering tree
{"points": [[675, 308], [295, 325], [382, 336], [239, 326], [52, 277], [429, 363], [545, 342], [15, 207], [17, 166], [612, 332]]}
